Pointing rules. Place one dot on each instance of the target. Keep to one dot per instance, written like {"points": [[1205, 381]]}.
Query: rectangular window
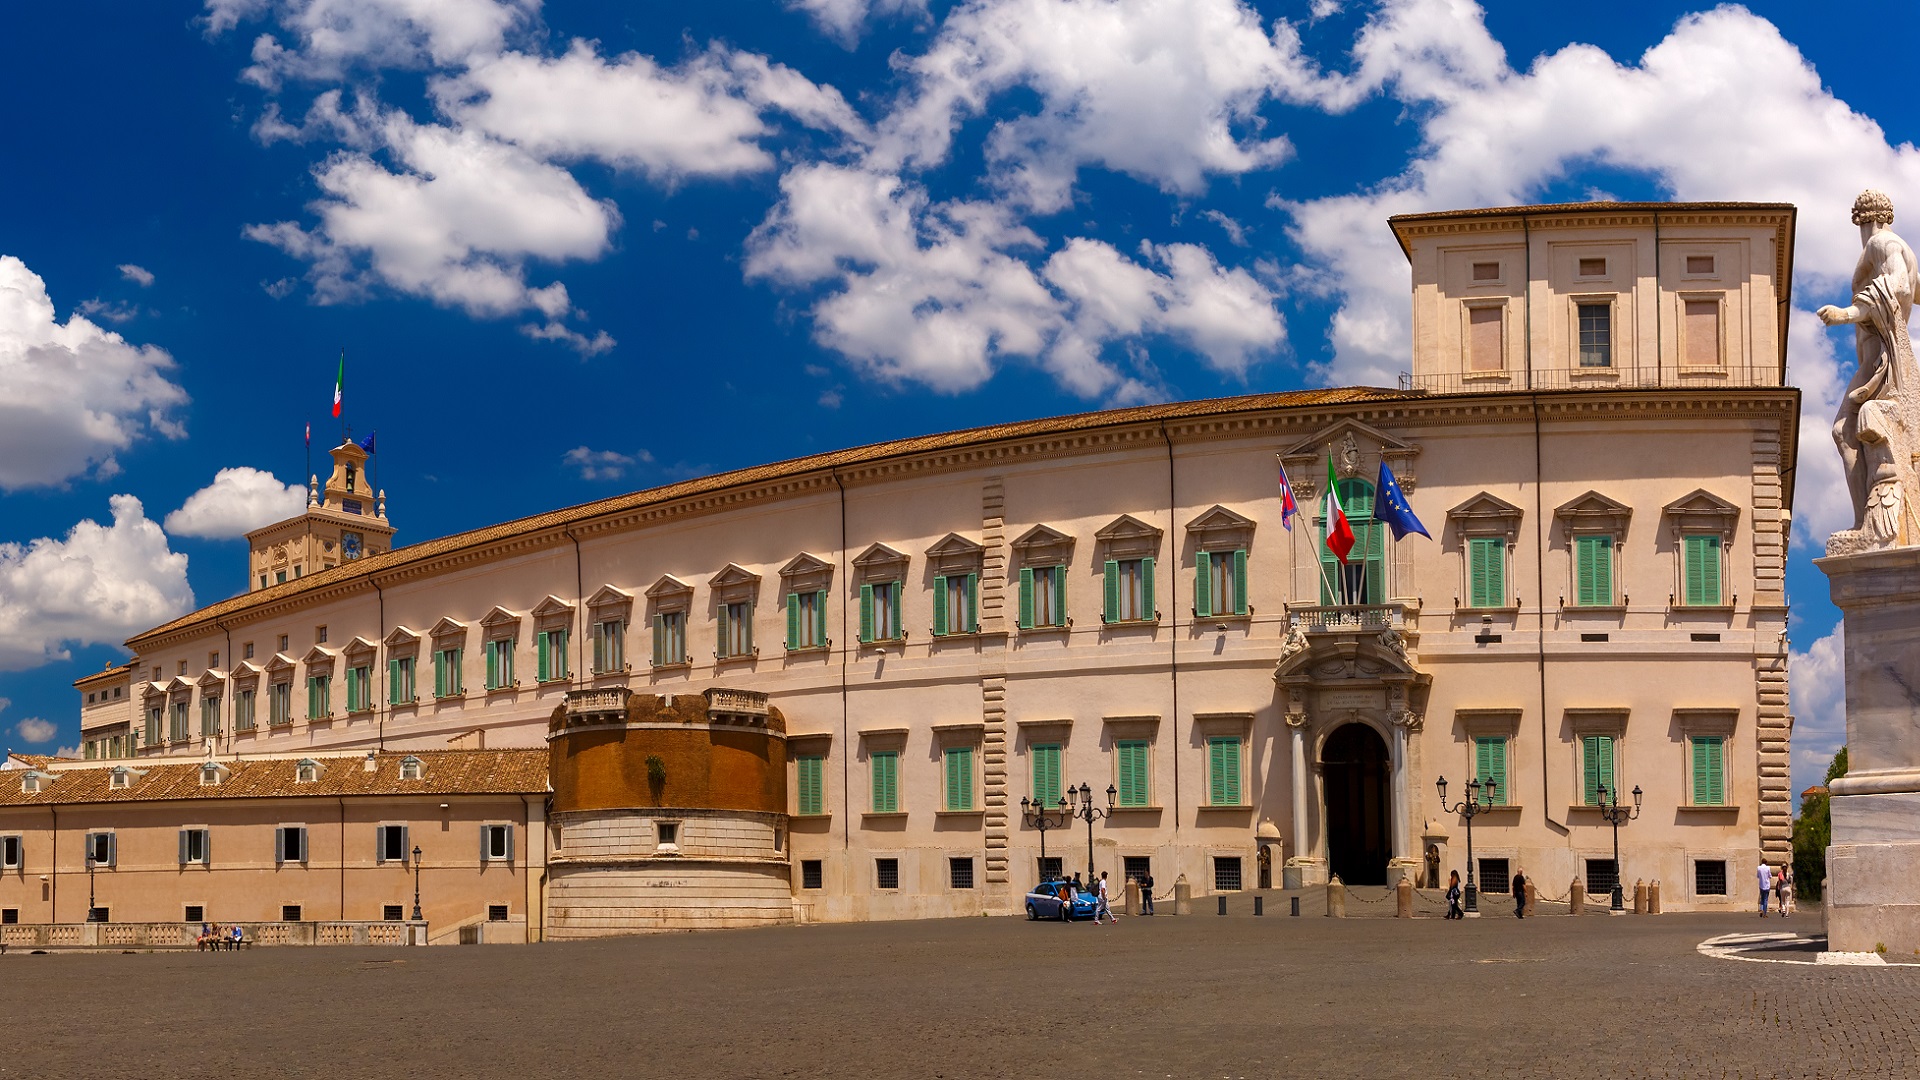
{"points": [[1226, 873], [1700, 333], [390, 843], [393, 912], [1043, 596], [955, 604], [1702, 570], [290, 913], [810, 770], [496, 843], [1486, 271], [497, 913], [210, 715], [1050, 868], [195, 912], [807, 620], [736, 629], [669, 638], [280, 704], [1223, 771], [400, 681], [1220, 584], [1596, 768], [1593, 268], [550, 647], [360, 688], [446, 673], [243, 710], [1129, 590], [10, 916], [1490, 764], [1710, 877], [1593, 571], [886, 782], [609, 646], [1486, 572], [880, 611], [960, 873], [153, 726], [319, 697], [959, 769], [1708, 769], [177, 722], [1699, 264], [499, 653], [1486, 339], [196, 846], [100, 848], [886, 873], [1132, 765], [1494, 877], [1138, 869], [1596, 335], [810, 874], [9, 853], [1046, 774], [290, 844], [1602, 874]]}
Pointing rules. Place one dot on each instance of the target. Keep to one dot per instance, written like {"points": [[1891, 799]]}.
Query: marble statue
{"points": [[1878, 423]]}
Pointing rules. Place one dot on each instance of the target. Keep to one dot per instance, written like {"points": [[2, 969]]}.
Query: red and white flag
{"points": [[1339, 532], [339, 381]]}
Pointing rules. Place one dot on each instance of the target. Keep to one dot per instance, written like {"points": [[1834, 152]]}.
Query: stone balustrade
{"points": [[173, 935]]}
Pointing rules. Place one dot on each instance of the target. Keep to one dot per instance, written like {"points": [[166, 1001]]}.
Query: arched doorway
{"points": [[1358, 785]]}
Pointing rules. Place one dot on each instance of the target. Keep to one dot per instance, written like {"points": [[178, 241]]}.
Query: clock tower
{"points": [[346, 520]]}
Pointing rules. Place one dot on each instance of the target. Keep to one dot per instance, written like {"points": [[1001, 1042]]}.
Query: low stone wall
{"points": [[605, 897], [184, 935]]}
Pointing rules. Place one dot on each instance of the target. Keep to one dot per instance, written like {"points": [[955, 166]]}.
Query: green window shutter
{"points": [[1111, 613], [1597, 767], [820, 617], [393, 682], [1709, 774], [493, 665], [1593, 570], [1223, 772], [886, 782], [1493, 767], [1133, 772], [973, 603], [659, 639], [1203, 586], [722, 650], [1240, 582], [543, 648], [1702, 554], [1026, 598], [1232, 762], [559, 646], [893, 596], [811, 801], [746, 631], [1060, 595], [866, 613], [1698, 748], [960, 778], [1486, 586], [793, 620], [1482, 759], [1046, 775], [1147, 608], [939, 604]]}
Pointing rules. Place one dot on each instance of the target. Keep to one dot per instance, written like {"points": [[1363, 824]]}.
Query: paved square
{"points": [[1201, 996]]}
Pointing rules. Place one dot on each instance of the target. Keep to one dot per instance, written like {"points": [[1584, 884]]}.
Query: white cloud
{"points": [[1821, 502], [238, 501], [326, 38], [139, 275], [72, 395], [1235, 231], [602, 464], [843, 20], [1723, 108], [99, 584], [113, 311], [1819, 684], [35, 730], [599, 342]]}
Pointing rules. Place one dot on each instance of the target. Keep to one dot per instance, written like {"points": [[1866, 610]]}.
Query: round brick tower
{"points": [[669, 813]]}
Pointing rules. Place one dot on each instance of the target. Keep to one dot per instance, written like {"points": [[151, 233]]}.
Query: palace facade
{"points": [[821, 689]]}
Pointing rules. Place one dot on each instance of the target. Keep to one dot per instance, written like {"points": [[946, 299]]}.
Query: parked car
{"points": [[1044, 902]]}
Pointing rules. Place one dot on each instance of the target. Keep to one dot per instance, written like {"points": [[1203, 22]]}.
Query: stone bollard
{"points": [[1653, 897], [1403, 899], [1223, 904], [1259, 904], [1131, 898], [1576, 897], [1182, 896], [1533, 898], [1640, 897], [1336, 898]]}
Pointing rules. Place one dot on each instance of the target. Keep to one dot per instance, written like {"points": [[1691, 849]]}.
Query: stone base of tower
{"points": [[615, 873]]}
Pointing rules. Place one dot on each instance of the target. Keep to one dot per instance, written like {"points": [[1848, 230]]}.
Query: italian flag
{"points": [[1339, 533], [340, 379]]}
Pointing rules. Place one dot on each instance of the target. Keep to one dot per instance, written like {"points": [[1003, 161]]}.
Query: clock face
{"points": [[350, 545]]}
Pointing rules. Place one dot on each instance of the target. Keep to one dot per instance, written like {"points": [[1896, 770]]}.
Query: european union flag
{"points": [[367, 443], [1390, 506]]}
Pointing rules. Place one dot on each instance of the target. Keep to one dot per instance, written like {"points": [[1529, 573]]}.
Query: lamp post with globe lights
{"points": [[1470, 808]]}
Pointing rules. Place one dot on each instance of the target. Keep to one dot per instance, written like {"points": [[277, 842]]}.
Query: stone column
{"points": [[1299, 733], [1399, 791]]}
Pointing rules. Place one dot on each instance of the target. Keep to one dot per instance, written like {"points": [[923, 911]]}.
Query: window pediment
{"points": [[1602, 721], [955, 554], [1595, 513], [211, 679], [806, 573], [448, 628], [359, 649], [1488, 722], [1043, 545], [605, 599], [317, 657], [180, 684], [734, 584], [554, 607], [1705, 722], [881, 563], [1702, 511], [1129, 537], [1487, 515], [280, 664], [670, 591], [246, 670], [499, 617], [1221, 529], [401, 637]]}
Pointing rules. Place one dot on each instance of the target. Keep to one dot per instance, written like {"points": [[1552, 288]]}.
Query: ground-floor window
{"points": [[99, 914], [1226, 873], [9, 916], [1494, 876], [1138, 868], [496, 913], [960, 873], [810, 876], [1050, 868], [1710, 877], [393, 912], [887, 873], [290, 913], [196, 913], [1602, 875]]}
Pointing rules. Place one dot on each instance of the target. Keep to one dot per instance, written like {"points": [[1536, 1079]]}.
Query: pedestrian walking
{"points": [[1780, 890], [1146, 894], [1453, 896], [1100, 904], [1520, 894], [1784, 896], [1765, 876]]}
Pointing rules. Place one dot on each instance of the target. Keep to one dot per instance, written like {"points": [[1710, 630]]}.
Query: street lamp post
{"points": [[1469, 809], [1035, 813], [1614, 814], [91, 908], [416, 883], [1090, 813]]}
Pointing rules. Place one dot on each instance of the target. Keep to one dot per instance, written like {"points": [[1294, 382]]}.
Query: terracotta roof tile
{"points": [[922, 444], [443, 772]]}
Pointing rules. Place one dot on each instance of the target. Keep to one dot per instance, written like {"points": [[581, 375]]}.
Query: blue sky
{"points": [[559, 241]]}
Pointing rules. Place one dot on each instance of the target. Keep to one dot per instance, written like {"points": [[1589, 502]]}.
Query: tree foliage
{"points": [[1812, 832]]}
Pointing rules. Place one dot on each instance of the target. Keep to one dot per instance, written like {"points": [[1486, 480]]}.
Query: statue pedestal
{"points": [[1299, 873], [1873, 865]]}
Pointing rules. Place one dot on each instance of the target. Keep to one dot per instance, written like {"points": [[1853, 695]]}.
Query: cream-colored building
{"points": [[1594, 429]]}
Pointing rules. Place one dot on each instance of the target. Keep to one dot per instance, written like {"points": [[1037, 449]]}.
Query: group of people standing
{"points": [[1778, 882], [1519, 895], [1102, 901]]}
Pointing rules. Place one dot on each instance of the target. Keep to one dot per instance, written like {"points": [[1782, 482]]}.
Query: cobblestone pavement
{"points": [[1200, 996]]}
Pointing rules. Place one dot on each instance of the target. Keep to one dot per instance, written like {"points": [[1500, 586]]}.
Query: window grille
{"points": [[887, 871], [393, 913], [1495, 877], [1226, 873], [1602, 876], [1138, 867], [1710, 877], [960, 873], [496, 913], [290, 913], [810, 876], [1050, 868]]}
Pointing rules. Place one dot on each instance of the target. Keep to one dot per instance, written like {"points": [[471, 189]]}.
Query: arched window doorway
{"points": [[1358, 780], [1363, 579]]}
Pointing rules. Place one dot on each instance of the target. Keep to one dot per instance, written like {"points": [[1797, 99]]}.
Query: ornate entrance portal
{"points": [[1359, 801]]}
